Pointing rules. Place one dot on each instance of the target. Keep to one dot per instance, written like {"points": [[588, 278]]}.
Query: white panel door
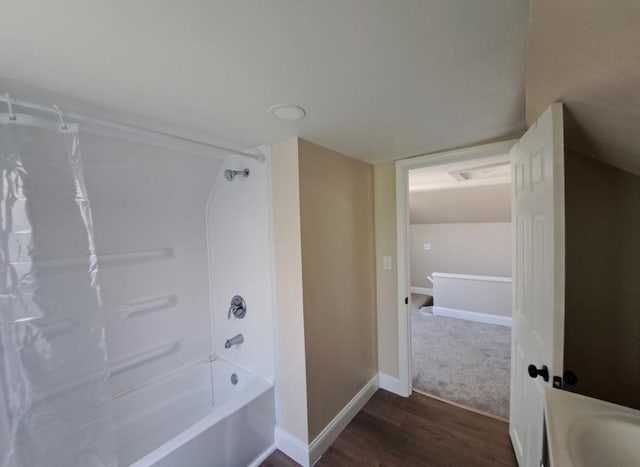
{"points": [[538, 287]]}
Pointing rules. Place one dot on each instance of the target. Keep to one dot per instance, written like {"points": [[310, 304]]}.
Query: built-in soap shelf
{"points": [[145, 356], [149, 305], [92, 380], [55, 327], [140, 256], [104, 259], [46, 326]]}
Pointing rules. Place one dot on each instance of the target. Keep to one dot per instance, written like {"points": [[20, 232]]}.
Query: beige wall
{"points": [[384, 188], [476, 204], [338, 270], [586, 53], [480, 249], [602, 317], [290, 345], [325, 283]]}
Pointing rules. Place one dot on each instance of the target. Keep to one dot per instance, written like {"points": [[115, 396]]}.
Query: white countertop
{"points": [[582, 431]]}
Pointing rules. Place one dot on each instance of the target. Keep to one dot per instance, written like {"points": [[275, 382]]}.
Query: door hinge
{"points": [[406, 300]]}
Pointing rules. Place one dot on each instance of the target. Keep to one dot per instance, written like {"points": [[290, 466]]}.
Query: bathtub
{"points": [[197, 418]]}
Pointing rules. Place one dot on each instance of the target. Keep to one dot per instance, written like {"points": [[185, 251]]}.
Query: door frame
{"points": [[403, 167]]}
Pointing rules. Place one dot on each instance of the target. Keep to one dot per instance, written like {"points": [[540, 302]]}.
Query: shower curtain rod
{"points": [[106, 124]]}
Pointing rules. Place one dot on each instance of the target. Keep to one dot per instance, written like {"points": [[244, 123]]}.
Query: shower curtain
{"points": [[55, 407]]}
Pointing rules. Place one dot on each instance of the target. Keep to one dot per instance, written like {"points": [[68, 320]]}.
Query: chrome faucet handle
{"points": [[238, 307]]}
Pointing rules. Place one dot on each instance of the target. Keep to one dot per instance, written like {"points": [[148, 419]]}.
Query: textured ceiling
{"points": [[379, 79], [586, 53]]}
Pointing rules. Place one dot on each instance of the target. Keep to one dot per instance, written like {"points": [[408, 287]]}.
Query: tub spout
{"points": [[235, 340]]}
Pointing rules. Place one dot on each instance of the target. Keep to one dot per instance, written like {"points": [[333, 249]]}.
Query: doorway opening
{"points": [[455, 226]]}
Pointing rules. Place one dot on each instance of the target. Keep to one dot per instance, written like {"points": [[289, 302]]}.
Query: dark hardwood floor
{"points": [[417, 431], [278, 459]]}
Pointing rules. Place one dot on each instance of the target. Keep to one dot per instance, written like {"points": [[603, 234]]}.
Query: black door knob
{"points": [[570, 378], [535, 372]]}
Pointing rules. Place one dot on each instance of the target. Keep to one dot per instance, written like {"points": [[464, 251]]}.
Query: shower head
{"points": [[232, 174]]}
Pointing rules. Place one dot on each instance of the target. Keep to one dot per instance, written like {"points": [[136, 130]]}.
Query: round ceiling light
{"points": [[287, 112]]}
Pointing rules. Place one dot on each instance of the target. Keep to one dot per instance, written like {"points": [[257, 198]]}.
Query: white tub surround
{"points": [[166, 302], [486, 299], [240, 263], [121, 302]]}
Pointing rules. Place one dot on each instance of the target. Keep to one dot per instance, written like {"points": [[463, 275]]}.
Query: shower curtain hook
{"points": [[63, 125], [12, 116]]}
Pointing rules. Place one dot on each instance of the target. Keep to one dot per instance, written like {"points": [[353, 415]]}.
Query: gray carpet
{"points": [[461, 361]]}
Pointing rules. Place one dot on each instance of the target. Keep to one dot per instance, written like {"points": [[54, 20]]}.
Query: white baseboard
{"points": [[327, 436], [421, 290], [293, 447], [472, 316], [389, 383], [305, 455], [262, 457]]}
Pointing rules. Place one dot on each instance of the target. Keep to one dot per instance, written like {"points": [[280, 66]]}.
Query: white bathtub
{"points": [[196, 418]]}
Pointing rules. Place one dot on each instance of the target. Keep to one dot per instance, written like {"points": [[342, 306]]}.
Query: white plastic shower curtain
{"points": [[55, 409]]}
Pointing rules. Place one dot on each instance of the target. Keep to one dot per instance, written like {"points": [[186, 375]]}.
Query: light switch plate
{"points": [[387, 262], [427, 246]]}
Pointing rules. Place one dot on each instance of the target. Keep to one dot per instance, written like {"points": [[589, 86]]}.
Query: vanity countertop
{"points": [[585, 432]]}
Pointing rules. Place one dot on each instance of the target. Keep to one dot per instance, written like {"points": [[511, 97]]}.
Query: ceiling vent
{"points": [[501, 169]]}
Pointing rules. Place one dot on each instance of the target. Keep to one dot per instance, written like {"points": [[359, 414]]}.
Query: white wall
{"points": [[289, 309], [481, 249], [239, 231], [489, 295]]}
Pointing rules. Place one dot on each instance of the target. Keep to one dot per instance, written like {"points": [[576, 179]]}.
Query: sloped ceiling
{"points": [[586, 53], [380, 79], [490, 203]]}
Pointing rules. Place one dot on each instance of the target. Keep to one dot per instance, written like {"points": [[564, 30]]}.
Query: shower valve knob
{"points": [[238, 307]]}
